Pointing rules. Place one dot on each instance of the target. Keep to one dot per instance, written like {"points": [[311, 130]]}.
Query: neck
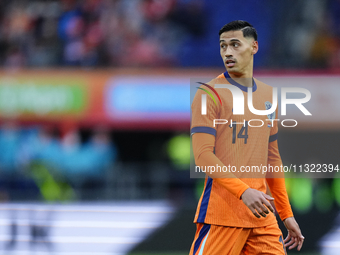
{"points": [[244, 78]]}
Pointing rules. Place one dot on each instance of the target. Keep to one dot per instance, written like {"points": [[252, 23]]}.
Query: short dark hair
{"points": [[236, 25]]}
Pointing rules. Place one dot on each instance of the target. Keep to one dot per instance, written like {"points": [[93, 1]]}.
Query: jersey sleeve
{"points": [[203, 148], [203, 123], [277, 184], [203, 143]]}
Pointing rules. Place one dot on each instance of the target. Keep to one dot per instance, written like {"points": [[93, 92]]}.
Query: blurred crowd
{"points": [[134, 33], [308, 36], [95, 32], [66, 156]]}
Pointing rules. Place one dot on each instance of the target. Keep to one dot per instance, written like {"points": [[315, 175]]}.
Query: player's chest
{"points": [[250, 124]]}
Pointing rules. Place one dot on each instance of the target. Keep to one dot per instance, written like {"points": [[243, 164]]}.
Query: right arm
{"points": [[203, 147]]}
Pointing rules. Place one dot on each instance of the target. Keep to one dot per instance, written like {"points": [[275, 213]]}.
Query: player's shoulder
{"points": [[211, 84], [209, 88], [220, 79], [263, 86]]}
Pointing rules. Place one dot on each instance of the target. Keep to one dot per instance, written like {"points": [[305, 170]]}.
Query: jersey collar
{"points": [[244, 88]]}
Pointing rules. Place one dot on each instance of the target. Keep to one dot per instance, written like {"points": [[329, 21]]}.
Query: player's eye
{"points": [[236, 45], [223, 46]]}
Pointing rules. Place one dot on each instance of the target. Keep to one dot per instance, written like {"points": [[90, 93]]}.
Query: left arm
{"points": [[277, 184], [277, 187]]}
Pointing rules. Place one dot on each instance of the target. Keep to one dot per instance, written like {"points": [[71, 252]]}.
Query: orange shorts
{"points": [[221, 240]]}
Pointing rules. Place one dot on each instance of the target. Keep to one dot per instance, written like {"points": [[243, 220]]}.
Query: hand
{"points": [[294, 237], [257, 202]]}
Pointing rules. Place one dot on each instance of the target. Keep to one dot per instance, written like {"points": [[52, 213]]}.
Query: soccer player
{"points": [[234, 214]]}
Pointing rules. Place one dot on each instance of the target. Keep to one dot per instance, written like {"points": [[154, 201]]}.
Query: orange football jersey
{"points": [[238, 144]]}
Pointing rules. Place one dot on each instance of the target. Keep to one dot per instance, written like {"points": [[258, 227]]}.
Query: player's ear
{"points": [[255, 47]]}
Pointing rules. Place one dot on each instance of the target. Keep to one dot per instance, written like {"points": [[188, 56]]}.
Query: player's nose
{"points": [[228, 53]]}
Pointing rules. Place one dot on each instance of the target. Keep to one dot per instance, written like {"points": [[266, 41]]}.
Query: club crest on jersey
{"points": [[268, 106], [272, 115]]}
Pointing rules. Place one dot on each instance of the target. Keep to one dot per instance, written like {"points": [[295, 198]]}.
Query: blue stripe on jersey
{"points": [[273, 138], [203, 244], [205, 201], [283, 244], [244, 88], [203, 232], [207, 130]]}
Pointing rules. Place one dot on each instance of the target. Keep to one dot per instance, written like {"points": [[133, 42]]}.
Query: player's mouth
{"points": [[230, 63]]}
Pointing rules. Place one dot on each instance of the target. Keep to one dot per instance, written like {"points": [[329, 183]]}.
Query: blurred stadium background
{"points": [[94, 114]]}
